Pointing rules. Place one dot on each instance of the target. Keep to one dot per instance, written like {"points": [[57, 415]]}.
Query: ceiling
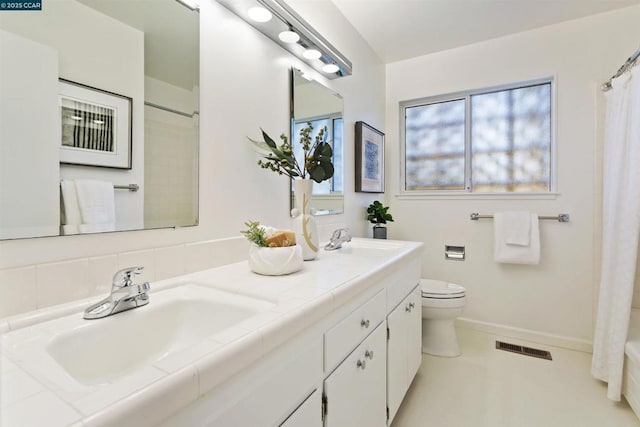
{"points": [[401, 29]]}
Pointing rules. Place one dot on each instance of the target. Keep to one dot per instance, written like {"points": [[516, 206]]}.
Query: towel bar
{"points": [[563, 217], [130, 187]]}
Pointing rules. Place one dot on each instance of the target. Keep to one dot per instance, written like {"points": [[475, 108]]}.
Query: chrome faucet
{"points": [[125, 295], [340, 236]]}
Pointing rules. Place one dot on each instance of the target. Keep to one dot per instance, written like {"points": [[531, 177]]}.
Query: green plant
{"points": [[255, 234], [317, 154], [377, 213]]}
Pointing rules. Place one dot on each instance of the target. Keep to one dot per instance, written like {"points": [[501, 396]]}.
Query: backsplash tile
{"points": [[38, 286], [17, 291], [101, 271], [169, 262], [61, 282], [199, 256]]}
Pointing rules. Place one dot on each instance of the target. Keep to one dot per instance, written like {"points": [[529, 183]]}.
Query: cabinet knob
{"points": [[361, 364], [369, 354], [409, 307], [364, 323]]}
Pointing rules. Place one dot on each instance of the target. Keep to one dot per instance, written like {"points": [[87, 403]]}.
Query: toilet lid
{"points": [[441, 289]]}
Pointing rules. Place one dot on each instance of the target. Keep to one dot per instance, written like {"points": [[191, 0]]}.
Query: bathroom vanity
{"points": [[336, 344]]}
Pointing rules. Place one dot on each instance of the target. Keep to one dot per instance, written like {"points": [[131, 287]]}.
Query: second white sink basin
{"points": [[369, 247], [98, 351]]}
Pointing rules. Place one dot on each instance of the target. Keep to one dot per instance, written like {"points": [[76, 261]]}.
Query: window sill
{"points": [[476, 196]]}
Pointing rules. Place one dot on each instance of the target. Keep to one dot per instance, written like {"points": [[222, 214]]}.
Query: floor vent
{"points": [[527, 351]]}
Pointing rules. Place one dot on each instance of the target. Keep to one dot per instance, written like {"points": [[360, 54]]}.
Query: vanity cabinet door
{"points": [[404, 348], [356, 392]]}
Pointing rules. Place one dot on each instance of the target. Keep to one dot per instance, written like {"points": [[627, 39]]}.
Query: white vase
{"points": [[304, 223]]}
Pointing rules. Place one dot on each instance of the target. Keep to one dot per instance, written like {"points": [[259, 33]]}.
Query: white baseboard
{"points": [[527, 335]]}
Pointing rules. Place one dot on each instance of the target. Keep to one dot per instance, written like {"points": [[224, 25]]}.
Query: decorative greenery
{"points": [[377, 213], [255, 234], [318, 153]]}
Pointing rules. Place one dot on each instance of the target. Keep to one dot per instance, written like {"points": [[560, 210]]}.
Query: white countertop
{"points": [[36, 391]]}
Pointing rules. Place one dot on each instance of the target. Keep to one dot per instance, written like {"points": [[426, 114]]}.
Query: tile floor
{"points": [[485, 387]]}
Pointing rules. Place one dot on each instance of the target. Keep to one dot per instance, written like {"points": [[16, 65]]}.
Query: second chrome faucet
{"points": [[340, 236]]}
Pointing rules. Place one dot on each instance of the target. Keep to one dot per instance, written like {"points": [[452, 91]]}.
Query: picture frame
{"points": [[369, 159], [95, 126]]}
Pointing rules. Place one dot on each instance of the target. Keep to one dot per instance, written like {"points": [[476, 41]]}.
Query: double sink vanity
{"points": [[335, 344]]}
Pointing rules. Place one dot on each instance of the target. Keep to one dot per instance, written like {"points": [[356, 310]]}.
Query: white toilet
{"points": [[442, 302]]}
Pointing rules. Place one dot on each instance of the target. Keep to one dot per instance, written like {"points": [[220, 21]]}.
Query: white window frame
{"points": [[466, 192]]}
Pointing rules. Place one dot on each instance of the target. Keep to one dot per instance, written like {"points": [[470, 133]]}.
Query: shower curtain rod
{"points": [[628, 63]]}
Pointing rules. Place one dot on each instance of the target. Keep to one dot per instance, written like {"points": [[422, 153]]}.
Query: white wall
{"points": [[244, 85], [556, 297], [98, 51]]}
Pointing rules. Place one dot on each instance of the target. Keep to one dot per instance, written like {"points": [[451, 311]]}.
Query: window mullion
{"points": [[467, 143]]}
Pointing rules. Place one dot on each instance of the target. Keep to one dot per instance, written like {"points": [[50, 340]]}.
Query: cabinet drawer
{"points": [[340, 340]]}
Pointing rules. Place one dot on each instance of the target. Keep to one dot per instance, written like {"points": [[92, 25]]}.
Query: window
{"points": [[485, 141]]}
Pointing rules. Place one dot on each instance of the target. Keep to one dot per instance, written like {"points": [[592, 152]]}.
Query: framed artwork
{"points": [[369, 159], [95, 126]]}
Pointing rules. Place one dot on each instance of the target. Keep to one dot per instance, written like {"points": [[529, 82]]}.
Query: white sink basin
{"points": [[100, 350], [369, 247]]}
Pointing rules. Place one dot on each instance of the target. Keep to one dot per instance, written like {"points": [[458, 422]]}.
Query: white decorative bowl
{"points": [[275, 261]]}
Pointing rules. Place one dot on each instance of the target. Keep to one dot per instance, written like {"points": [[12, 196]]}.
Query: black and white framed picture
{"points": [[369, 159], [95, 126]]}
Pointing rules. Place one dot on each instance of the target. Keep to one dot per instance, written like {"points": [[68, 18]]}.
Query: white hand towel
{"points": [[70, 207], [517, 225], [96, 202], [515, 254]]}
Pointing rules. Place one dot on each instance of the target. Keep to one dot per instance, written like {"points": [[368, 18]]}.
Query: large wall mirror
{"points": [[98, 94], [311, 102]]}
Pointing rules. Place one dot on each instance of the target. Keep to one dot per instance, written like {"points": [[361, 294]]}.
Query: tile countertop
{"points": [[35, 391]]}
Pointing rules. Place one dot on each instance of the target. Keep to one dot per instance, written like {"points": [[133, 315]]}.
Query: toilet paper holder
{"points": [[453, 252]]}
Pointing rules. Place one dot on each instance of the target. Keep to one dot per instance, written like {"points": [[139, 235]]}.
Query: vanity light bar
{"points": [[191, 4], [288, 20]]}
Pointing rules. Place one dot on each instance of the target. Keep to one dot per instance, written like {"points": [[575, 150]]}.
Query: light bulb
{"points": [[312, 54], [289, 36], [259, 14], [330, 68]]}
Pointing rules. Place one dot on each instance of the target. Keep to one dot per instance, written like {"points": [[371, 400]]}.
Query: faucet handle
{"points": [[341, 233], [124, 277]]}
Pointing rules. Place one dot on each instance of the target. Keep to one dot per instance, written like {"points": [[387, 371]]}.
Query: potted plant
{"points": [[316, 164], [272, 252], [378, 214], [317, 155]]}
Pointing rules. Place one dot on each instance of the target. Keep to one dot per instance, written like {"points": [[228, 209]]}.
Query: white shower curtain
{"points": [[621, 228]]}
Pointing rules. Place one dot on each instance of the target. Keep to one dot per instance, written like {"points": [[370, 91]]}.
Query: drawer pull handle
{"points": [[412, 305], [364, 323], [361, 364], [369, 354]]}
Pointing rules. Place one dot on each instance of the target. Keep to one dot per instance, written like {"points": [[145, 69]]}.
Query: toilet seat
{"points": [[438, 289]]}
